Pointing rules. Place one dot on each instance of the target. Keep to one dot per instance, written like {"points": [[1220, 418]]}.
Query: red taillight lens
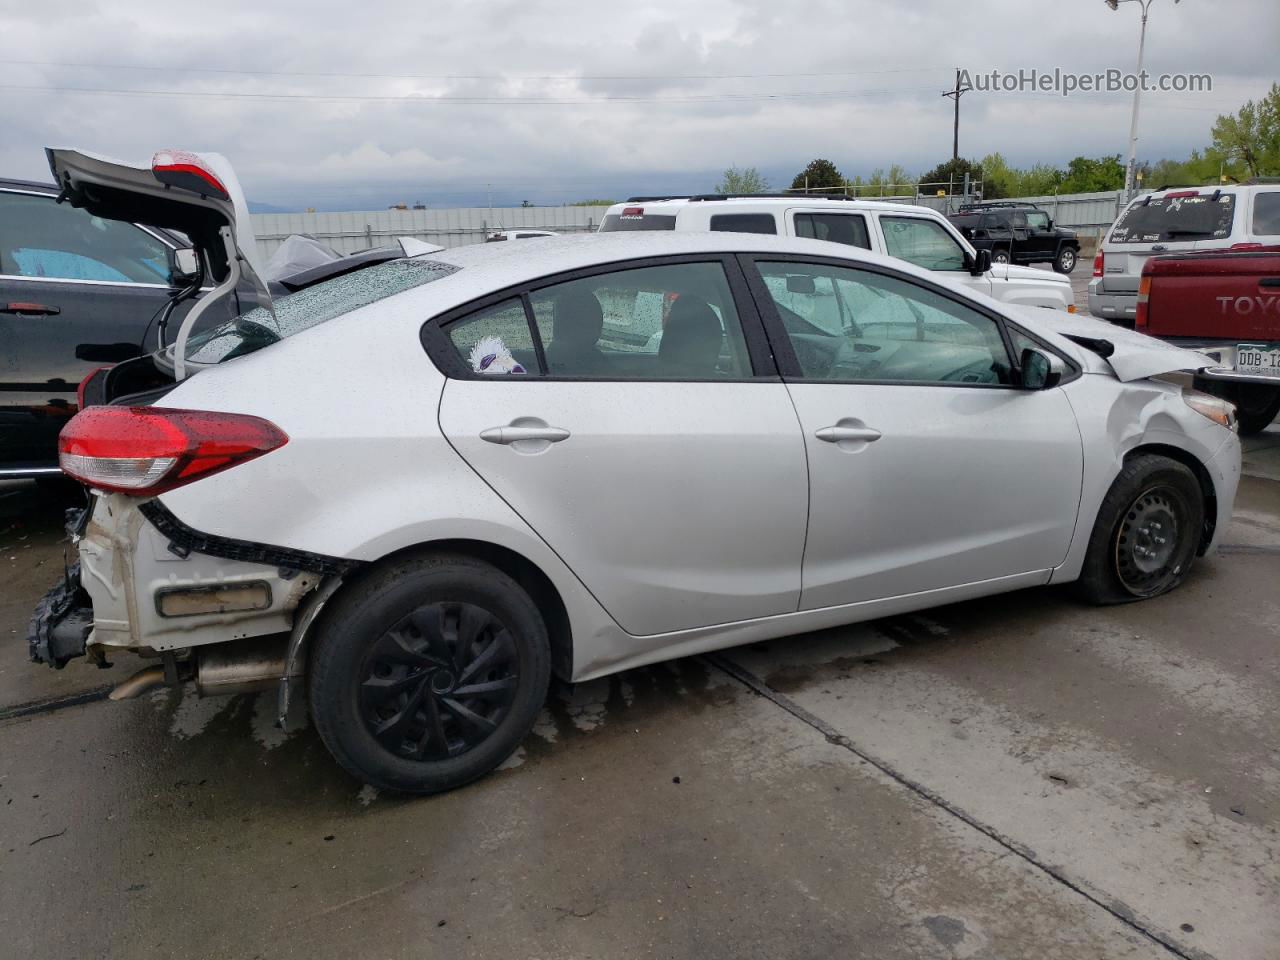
{"points": [[1144, 297], [1097, 264], [147, 450], [179, 168]]}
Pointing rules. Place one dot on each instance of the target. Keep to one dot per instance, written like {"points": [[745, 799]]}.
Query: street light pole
{"points": [[1131, 168]]}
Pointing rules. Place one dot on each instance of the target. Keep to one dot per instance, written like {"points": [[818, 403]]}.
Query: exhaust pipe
{"points": [[242, 666], [138, 684]]}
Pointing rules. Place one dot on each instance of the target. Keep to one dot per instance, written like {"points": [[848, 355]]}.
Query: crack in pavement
{"points": [[50, 704], [1115, 907]]}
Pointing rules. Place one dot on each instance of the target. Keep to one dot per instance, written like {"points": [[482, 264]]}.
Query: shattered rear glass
{"points": [[307, 308]]}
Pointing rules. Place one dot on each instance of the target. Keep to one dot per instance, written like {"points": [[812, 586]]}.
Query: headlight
{"points": [[1216, 409]]}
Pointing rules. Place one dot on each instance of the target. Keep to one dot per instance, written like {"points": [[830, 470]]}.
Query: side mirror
{"points": [[184, 267], [801, 284], [978, 264], [1041, 371]]}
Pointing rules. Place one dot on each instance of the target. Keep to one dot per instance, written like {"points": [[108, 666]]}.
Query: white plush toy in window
{"points": [[490, 355]]}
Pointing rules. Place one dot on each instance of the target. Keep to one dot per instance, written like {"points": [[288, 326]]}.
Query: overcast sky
{"points": [[556, 101]]}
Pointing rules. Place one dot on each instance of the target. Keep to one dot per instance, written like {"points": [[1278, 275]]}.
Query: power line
{"points": [[471, 100], [183, 68]]}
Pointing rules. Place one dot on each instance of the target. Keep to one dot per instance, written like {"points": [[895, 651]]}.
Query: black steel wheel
{"points": [[1147, 541], [427, 672], [1147, 532]]}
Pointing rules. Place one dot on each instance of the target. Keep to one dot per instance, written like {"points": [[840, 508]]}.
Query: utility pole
{"points": [[1131, 167], [955, 128]]}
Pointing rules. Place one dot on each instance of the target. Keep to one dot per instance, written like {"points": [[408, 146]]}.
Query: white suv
{"points": [[919, 235], [1236, 217]]}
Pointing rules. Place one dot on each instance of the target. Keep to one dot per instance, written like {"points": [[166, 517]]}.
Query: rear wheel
{"points": [[1065, 261], [999, 256], [428, 673], [1146, 533]]}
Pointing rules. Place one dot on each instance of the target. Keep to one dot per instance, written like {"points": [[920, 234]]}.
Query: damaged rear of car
{"points": [[198, 606]]}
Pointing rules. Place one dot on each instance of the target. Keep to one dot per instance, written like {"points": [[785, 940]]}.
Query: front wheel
{"points": [[1065, 261], [427, 673], [1146, 533]]}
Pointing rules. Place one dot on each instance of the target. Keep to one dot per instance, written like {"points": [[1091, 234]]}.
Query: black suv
{"points": [[1017, 233]]}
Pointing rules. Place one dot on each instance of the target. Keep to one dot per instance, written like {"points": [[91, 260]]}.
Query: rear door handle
{"points": [[847, 434], [514, 434], [35, 309]]}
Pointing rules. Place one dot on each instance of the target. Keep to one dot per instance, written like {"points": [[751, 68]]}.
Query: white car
{"points": [[424, 487], [917, 234], [1241, 217]]}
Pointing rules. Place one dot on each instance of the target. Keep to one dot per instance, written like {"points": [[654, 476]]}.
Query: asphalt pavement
{"points": [[1013, 777]]}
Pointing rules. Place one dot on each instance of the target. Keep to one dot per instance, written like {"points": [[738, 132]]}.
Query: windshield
{"points": [[1175, 218], [307, 308]]}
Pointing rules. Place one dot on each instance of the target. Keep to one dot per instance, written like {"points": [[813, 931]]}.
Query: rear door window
{"points": [[40, 237], [1266, 214], [1175, 218], [847, 228], [676, 321], [496, 341], [744, 223], [926, 243]]}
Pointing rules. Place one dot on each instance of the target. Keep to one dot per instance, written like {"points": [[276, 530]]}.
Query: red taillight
{"points": [[178, 168], [147, 450], [1144, 296], [85, 382], [1182, 193], [1097, 264], [632, 213]]}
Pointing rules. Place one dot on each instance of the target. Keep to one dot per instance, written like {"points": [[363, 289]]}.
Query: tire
{"points": [[427, 673], [999, 256], [1065, 261], [1256, 406], [1128, 558]]}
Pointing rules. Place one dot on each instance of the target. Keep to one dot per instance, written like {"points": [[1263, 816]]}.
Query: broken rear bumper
{"points": [[61, 622]]}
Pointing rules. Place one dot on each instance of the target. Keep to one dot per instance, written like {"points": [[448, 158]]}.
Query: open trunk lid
{"points": [[196, 194]]}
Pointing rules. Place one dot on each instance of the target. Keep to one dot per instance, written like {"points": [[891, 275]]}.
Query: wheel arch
{"points": [[1192, 463], [531, 578]]}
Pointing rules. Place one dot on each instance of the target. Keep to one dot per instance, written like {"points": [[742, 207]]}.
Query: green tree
{"points": [[1251, 136], [819, 175], [1093, 175], [746, 180], [950, 175]]}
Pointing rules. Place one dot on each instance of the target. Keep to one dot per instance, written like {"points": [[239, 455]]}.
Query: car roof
{"points": [[799, 200], [488, 267]]}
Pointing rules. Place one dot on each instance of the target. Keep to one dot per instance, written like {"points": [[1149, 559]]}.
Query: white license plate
{"points": [[1260, 359]]}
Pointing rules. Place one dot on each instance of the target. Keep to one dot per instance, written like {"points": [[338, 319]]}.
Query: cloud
{"points": [[654, 96]]}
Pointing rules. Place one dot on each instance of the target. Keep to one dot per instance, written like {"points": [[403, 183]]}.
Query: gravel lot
{"points": [[1013, 777]]}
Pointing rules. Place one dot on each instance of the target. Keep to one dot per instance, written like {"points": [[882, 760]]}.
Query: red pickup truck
{"points": [[1226, 305]]}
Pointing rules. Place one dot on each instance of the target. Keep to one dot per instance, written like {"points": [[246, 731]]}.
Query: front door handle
{"points": [[845, 433], [34, 309]]}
